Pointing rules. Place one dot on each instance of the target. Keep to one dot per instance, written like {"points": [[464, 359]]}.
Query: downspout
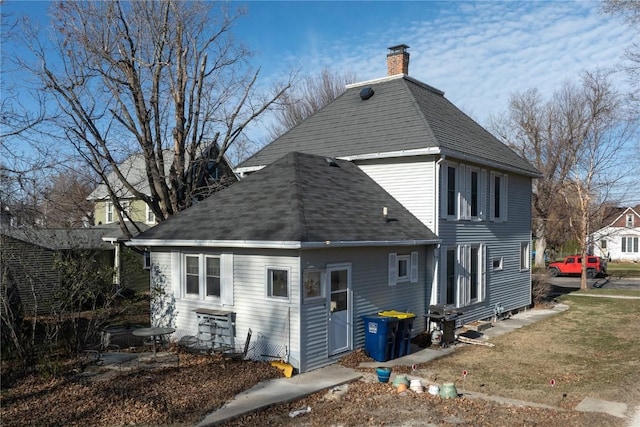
{"points": [[116, 264]]}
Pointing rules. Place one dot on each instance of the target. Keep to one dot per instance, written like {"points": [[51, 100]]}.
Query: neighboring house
{"points": [[619, 239], [427, 162], [29, 256], [137, 211], [133, 169]]}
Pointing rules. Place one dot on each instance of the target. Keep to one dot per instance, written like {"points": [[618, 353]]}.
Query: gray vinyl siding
{"points": [[510, 287], [370, 295], [410, 180]]}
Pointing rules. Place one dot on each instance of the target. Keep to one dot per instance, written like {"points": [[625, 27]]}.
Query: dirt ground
{"points": [[179, 397], [588, 359]]}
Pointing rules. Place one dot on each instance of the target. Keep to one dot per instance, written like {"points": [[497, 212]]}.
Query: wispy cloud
{"points": [[480, 53]]}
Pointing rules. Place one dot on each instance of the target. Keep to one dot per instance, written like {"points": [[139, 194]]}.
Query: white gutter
{"points": [[262, 244], [391, 154]]}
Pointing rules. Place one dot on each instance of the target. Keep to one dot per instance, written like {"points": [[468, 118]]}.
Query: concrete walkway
{"points": [[282, 390]]}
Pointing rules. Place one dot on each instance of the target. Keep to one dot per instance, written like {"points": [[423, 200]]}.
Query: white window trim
{"points": [[412, 268], [630, 244], [226, 278], [629, 220], [503, 197], [268, 283]]}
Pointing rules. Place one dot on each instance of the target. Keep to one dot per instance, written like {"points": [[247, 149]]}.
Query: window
{"points": [[524, 256], [312, 288], [208, 277], [151, 217], [498, 189], [451, 192], [472, 276], [603, 244], [126, 209], [109, 214], [629, 244], [472, 193], [630, 220], [496, 264], [465, 275], [403, 268], [278, 283], [212, 277], [146, 260], [192, 275], [451, 277]]}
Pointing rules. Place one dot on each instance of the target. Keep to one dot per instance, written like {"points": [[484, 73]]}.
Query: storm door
{"points": [[339, 295]]}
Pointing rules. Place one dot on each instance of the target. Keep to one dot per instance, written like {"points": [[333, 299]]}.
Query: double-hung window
{"points": [[629, 244], [208, 277], [109, 212], [498, 188]]}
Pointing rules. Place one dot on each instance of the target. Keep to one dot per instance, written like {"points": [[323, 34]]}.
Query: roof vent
{"points": [[331, 162], [366, 93]]}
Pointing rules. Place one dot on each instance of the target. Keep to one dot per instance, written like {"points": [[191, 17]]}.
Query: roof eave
{"points": [[266, 244]]}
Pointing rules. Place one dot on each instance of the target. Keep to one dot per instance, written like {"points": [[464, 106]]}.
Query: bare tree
{"points": [[630, 11], [576, 140], [312, 93], [65, 201], [144, 76]]}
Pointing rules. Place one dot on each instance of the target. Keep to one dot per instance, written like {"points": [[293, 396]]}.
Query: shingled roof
{"points": [[300, 200], [402, 115]]}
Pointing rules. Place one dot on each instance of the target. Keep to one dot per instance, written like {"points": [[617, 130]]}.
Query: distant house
{"points": [[619, 238], [137, 211], [388, 198], [28, 261], [133, 169]]}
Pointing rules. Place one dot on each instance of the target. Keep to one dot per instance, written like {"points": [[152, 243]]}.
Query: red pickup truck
{"points": [[572, 265]]}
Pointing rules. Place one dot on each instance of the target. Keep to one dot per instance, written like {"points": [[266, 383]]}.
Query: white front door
{"points": [[338, 293]]}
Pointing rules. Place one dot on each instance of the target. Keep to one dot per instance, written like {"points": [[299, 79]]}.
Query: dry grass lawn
{"points": [[591, 350]]}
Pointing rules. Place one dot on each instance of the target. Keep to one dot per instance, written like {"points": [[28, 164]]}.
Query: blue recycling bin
{"points": [[402, 345], [380, 336]]}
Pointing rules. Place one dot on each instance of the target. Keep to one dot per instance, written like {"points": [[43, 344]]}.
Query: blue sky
{"points": [[478, 53]]}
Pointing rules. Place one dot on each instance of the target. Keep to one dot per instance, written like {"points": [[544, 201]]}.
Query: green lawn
{"points": [[624, 269]]}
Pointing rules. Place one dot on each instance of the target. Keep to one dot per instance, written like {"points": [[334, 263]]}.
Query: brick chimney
{"points": [[398, 60]]}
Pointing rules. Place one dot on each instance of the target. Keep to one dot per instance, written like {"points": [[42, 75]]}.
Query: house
{"points": [[298, 252], [29, 261], [618, 239], [469, 249], [138, 216], [134, 171]]}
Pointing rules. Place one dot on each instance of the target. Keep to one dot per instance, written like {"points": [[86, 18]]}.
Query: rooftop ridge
{"points": [[395, 77]]}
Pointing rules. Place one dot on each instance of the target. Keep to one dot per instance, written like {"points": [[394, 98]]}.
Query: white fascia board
{"points": [[257, 244], [216, 243], [428, 151], [348, 243], [374, 81]]}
